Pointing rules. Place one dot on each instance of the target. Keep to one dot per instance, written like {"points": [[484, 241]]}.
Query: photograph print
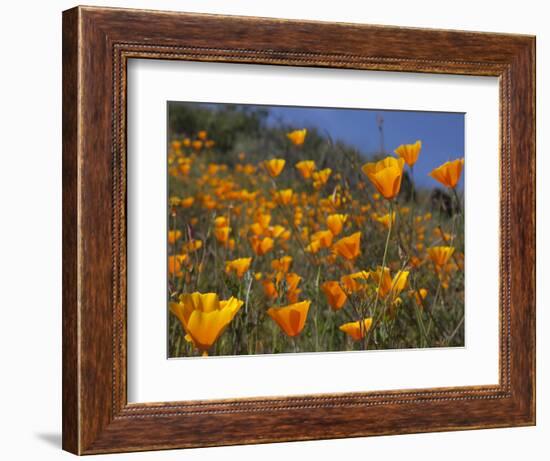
{"points": [[313, 229]]}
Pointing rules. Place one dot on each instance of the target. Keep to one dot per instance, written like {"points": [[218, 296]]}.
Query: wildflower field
{"points": [[282, 239]]}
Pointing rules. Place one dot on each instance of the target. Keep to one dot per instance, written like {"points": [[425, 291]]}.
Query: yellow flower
{"points": [[415, 261], [196, 145], [222, 233], [386, 175], [389, 285], [204, 317], [185, 168], [282, 264], [297, 137], [285, 235], [292, 296], [292, 280], [263, 219], [284, 197], [348, 247], [202, 134], [440, 255], [306, 168], [335, 222], [336, 297], [323, 237], [208, 202], [213, 169], [174, 201], [274, 166], [357, 330], [276, 231], [270, 290], [445, 236], [409, 152], [291, 318], [192, 245], [419, 296], [314, 246], [257, 229], [449, 173], [320, 178], [221, 221], [354, 282], [174, 265], [385, 219], [173, 236], [187, 202], [261, 245], [239, 266]]}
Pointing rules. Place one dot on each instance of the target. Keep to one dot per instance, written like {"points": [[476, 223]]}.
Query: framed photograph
{"points": [[281, 230]]}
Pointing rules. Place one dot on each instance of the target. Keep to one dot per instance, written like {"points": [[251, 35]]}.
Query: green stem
{"points": [[375, 309]]}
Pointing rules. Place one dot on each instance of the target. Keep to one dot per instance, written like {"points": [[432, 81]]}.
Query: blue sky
{"points": [[441, 133]]}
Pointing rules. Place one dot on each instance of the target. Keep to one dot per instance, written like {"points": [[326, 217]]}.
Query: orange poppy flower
{"points": [[449, 173], [204, 317], [419, 295], [270, 290], [440, 255], [221, 221], [313, 247], [335, 222], [284, 197], [173, 236], [323, 237], [291, 279], [348, 247], [192, 245], [357, 330], [282, 264], [336, 297], [187, 202], [274, 166], [261, 245], [320, 178], [197, 145], [387, 284], [354, 282], [174, 265], [385, 219], [409, 152], [238, 266], [386, 175], [306, 168], [222, 233], [297, 137], [292, 318], [275, 231]]}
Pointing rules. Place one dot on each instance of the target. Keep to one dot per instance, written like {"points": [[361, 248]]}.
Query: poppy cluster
{"points": [[291, 253]]}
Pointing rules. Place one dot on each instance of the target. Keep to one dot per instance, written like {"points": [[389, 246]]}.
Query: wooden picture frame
{"points": [[97, 43]]}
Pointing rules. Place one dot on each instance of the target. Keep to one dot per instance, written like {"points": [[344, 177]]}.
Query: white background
{"points": [[30, 241], [152, 378]]}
